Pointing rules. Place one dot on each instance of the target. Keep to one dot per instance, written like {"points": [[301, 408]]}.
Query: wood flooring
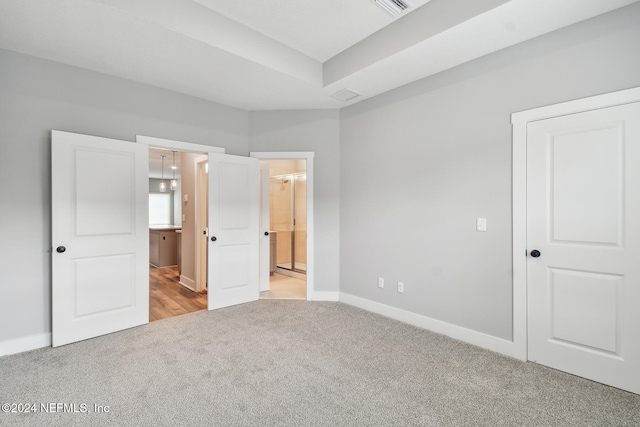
{"points": [[167, 298]]}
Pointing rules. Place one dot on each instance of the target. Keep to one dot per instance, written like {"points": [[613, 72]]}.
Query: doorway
{"points": [[287, 212], [172, 290]]}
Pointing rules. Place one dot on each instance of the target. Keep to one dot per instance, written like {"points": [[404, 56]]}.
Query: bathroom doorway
{"points": [[288, 229]]}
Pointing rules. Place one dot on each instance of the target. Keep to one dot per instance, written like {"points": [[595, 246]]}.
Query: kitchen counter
{"points": [[164, 227]]}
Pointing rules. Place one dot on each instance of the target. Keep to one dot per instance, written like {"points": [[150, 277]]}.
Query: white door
{"points": [[583, 239], [100, 236], [234, 199], [265, 226]]}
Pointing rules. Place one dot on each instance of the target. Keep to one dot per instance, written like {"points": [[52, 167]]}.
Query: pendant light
{"points": [[163, 185], [174, 182]]}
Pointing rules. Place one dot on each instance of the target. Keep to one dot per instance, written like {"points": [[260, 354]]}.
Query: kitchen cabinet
{"points": [[163, 246]]}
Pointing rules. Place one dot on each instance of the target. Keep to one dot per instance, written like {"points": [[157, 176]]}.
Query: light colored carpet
{"points": [[298, 363]]}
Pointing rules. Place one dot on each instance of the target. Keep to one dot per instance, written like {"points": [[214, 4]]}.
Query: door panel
{"points": [[100, 282], [586, 181], [583, 215], [233, 229]]}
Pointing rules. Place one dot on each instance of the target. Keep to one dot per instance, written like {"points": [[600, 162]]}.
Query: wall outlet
{"points": [[481, 224], [381, 282], [400, 286]]}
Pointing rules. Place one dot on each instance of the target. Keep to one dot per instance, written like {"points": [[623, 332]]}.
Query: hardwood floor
{"points": [[167, 298]]}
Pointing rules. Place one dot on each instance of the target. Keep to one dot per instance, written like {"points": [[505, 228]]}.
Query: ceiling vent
{"points": [[345, 94], [392, 7]]}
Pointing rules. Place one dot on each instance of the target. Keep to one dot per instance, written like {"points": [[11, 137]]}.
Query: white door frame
{"points": [[201, 222], [169, 144], [308, 156], [519, 122]]}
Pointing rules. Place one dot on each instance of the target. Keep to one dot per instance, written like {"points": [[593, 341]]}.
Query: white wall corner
{"points": [[23, 344], [499, 345]]}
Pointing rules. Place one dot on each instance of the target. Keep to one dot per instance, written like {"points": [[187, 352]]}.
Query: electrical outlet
{"points": [[481, 224], [400, 286], [380, 282]]}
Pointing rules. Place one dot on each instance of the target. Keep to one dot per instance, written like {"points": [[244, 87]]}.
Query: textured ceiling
{"points": [[278, 54]]}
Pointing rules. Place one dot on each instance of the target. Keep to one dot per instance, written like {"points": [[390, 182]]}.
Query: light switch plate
{"points": [[481, 224]]}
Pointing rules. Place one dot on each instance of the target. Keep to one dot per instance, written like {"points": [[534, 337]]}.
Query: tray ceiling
{"points": [[278, 54]]}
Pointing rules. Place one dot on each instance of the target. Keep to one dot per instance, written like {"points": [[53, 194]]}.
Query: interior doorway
{"points": [[287, 197], [173, 176]]}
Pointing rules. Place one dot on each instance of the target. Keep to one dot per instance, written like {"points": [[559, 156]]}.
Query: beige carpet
{"points": [[297, 363]]}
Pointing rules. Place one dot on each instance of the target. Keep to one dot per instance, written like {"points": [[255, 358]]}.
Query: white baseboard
{"points": [[20, 345], [323, 296], [470, 336], [188, 283]]}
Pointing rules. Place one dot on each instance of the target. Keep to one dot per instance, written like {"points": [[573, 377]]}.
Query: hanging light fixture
{"points": [[163, 185], [174, 182]]}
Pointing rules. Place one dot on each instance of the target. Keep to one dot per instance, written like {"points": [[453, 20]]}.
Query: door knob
{"points": [[214, 238], [60, 249], [535, 253], [266, 233]]}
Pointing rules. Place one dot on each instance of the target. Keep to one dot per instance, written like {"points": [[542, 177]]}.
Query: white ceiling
{"points": [[278, 54], [320, 29]]}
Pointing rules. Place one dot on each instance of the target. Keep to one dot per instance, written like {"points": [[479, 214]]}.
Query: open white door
{"points": [[234, 197], [265, 226], [100, 236]]}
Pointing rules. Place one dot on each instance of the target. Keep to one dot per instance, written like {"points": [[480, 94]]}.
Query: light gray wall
{"points": [[420, 163], [38, 95], [317, 131]]}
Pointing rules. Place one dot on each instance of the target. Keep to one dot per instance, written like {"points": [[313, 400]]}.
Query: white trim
{"points": [[612, 99], [308, 156], [324, 296], [200, 282], [188, 283], [520, 120], [20, 345], [177, 145], [470, 336]]}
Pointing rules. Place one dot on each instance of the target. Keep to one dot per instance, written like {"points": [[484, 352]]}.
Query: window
{"points": [[159, 209]]}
